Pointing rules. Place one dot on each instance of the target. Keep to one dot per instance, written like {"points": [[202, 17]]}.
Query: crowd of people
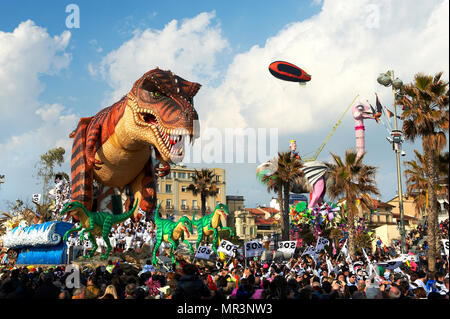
{"points": [[300, 277], [123, 237]]}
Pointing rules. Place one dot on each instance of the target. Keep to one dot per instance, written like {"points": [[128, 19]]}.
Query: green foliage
{"points": [[205, 184], [46, 165], [363, 240]]}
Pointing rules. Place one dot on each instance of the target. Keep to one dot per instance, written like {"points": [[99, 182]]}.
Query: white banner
{"points": [[226, 247], [408, 257], [390, 264], [36, 198], [321, 243], [310, 250], [287, 246], [253, 248], [203, 252], [445, 243]]}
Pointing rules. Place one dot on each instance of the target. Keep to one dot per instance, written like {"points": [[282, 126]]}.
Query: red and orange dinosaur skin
{"points": [[115, 146]]}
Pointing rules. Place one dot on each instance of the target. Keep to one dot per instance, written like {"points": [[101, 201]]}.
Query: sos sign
{"points": [[253, 248], [227, 248], [203, 252], [287, 246]]}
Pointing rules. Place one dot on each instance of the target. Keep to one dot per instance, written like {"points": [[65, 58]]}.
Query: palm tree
{"points": [[289, 169], [426, 115], [205, 184], [353, 180], [416, 182], [280, 183]]}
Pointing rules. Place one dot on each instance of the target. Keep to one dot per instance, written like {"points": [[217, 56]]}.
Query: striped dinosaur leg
{"points": [[199, 236], [107, 224], [82, 175], [173, 246], [215, 240], [191, 250], [93, 136], [155, 249], [94, 245]]}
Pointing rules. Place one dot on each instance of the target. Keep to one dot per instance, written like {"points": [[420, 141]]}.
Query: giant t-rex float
{"points": [[115, 146]]}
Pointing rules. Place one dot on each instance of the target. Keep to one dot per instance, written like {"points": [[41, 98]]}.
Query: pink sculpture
{"points": [[360, 113]]}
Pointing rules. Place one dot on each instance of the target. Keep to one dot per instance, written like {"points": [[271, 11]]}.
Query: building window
{"points": [[168, 203], [194, 204], [182, 175], [184, 189], [168, 188], [183, 204], [218, 178], [169, 175]]}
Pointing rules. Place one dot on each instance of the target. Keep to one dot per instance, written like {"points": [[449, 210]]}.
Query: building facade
{"points": [[251, 223], [177, 200]]}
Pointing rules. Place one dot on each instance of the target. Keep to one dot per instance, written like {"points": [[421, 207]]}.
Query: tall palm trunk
{"points": [[351, 227], [285, 215], [432, 214], [281, 203], [203, 200]]}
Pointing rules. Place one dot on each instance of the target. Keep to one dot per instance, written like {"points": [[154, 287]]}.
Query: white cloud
{"points": [[25, 54], [28, 127], [344, 48], [188, 48]]}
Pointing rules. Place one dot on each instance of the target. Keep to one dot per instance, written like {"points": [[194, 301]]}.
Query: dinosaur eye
{"points": [[156, 94]]}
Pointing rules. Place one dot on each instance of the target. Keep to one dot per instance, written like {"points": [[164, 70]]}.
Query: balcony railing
{"points": [[184, 207]]}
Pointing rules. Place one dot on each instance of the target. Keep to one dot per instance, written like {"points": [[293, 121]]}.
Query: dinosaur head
{"points": [[362, 112], [266, 169], [222, 209], [71, 210], [163, 112], [186, 224]]}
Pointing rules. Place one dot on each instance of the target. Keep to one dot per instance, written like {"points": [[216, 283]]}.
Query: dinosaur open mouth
{"points": [[170, 141]]}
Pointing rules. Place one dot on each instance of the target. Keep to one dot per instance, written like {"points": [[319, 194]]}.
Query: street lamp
{"points": [[387, 79]]}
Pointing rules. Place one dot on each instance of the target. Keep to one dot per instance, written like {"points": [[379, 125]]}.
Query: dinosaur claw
{"points": [[163, 171]]}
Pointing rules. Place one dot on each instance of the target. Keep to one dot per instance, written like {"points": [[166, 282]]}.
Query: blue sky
{"points": [[76, 72]]}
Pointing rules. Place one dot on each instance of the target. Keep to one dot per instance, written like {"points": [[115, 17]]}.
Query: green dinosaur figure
{"points": [[171, 232], [94, 224], [209, 225]]}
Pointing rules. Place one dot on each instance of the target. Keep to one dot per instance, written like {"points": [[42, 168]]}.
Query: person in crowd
{"points": [[190, 286]]}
